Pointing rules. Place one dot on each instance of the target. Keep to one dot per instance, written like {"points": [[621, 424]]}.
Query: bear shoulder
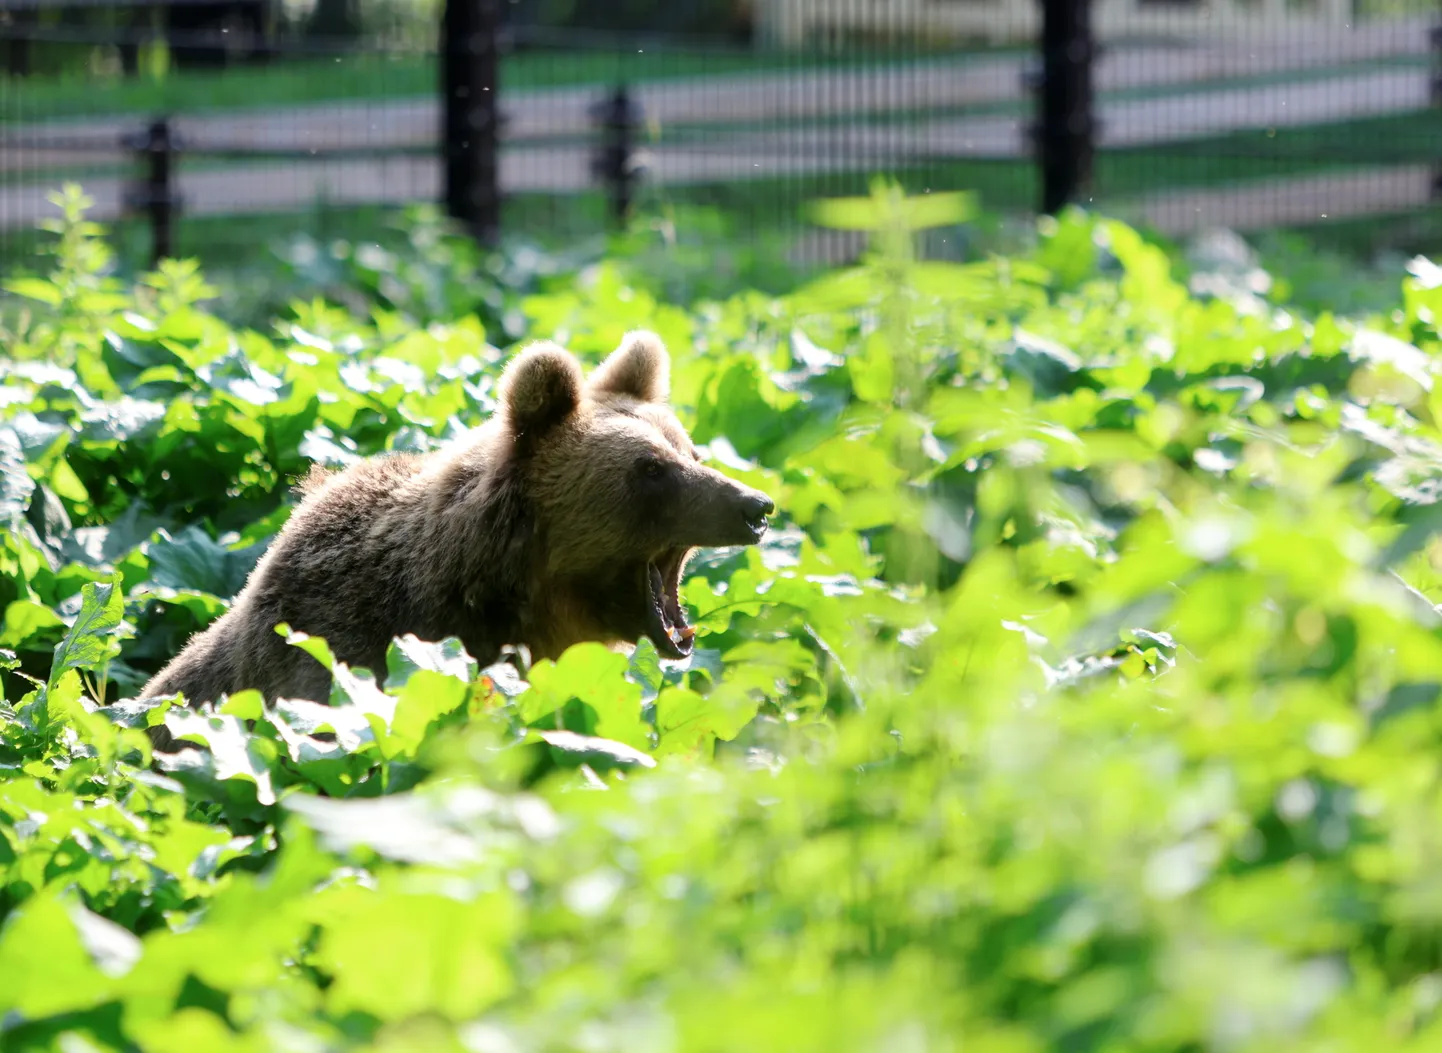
{"points": [[313, 481], [371, 474]]}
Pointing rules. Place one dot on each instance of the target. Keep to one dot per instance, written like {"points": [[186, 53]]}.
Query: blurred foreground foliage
{"points": [[1084, 698]]}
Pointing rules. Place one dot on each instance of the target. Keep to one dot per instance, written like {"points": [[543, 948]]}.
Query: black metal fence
{"points": [[1285, 116]]}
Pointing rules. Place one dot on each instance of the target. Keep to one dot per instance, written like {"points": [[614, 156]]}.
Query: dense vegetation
{"points": [[1085, 697]]}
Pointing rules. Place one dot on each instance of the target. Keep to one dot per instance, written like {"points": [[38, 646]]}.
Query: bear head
{"points": [[618, 494]]}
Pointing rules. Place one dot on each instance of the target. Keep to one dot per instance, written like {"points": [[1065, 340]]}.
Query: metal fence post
{"points": [[1436, 40], [1065, 127], [617, 118], [18, 43], [470, 128], [155, 149]]}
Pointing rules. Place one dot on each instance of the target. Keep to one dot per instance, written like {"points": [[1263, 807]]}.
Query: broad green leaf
{"points": [[192, 1028], [47, 960], [407, 655], [594, 751], [36, 289], [91, 641], [873, 373], [644, 669], [425, 697], [874, 212], [232, 752], [454, 965], [1069, 248], [16, 485], [191, 559], [686, 721], [595, 676], [25, 619], [314, 646], [125, 420]]}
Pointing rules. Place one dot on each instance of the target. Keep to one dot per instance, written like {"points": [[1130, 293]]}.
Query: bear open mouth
{"points": [[665, 618]]}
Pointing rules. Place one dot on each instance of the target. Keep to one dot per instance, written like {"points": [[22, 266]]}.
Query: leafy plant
{"points": [[1083, 698]]}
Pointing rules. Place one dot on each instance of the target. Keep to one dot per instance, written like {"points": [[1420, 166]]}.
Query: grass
{"points": [[1415, 232], [1403, 138]]}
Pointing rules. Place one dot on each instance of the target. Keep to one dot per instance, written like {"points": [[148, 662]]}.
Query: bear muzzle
{"points": [[725, 513], [722, 513]]}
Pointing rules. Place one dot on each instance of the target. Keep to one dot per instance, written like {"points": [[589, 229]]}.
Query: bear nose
{"points": [[756, 506]]}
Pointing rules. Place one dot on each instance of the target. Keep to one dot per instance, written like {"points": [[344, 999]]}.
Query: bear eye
{"points": [[651, 468]]}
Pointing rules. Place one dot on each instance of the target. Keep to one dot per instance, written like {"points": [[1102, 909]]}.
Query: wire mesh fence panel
{"points": [[1297, 116], [319, 118], [295, 125]]}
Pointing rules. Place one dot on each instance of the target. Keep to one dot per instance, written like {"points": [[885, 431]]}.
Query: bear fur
{"points": [[566, 517]]}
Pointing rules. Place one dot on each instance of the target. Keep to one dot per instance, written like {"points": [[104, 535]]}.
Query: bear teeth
{"points": [[658, 592], [668, 630]]}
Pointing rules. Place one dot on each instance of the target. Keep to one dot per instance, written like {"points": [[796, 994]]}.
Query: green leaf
{"points": [[48, 966], [192, 560], [233, 753], [91, 641], [873, 374], [596, 676], [191, 1028], [314, 646], [408, 655], [686, 721], [16, 485], [26, 619], [425, 697], [247, 705], [455, 967], [874, 212], [1068, 246], [644, 669], [36, 289], [601, 754]]}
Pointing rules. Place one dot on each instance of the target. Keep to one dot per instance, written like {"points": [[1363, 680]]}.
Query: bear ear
{"points": [[540, 388], [639, 368]]}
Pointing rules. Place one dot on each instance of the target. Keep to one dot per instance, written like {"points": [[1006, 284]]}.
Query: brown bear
{"points": [[568, 516]]}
